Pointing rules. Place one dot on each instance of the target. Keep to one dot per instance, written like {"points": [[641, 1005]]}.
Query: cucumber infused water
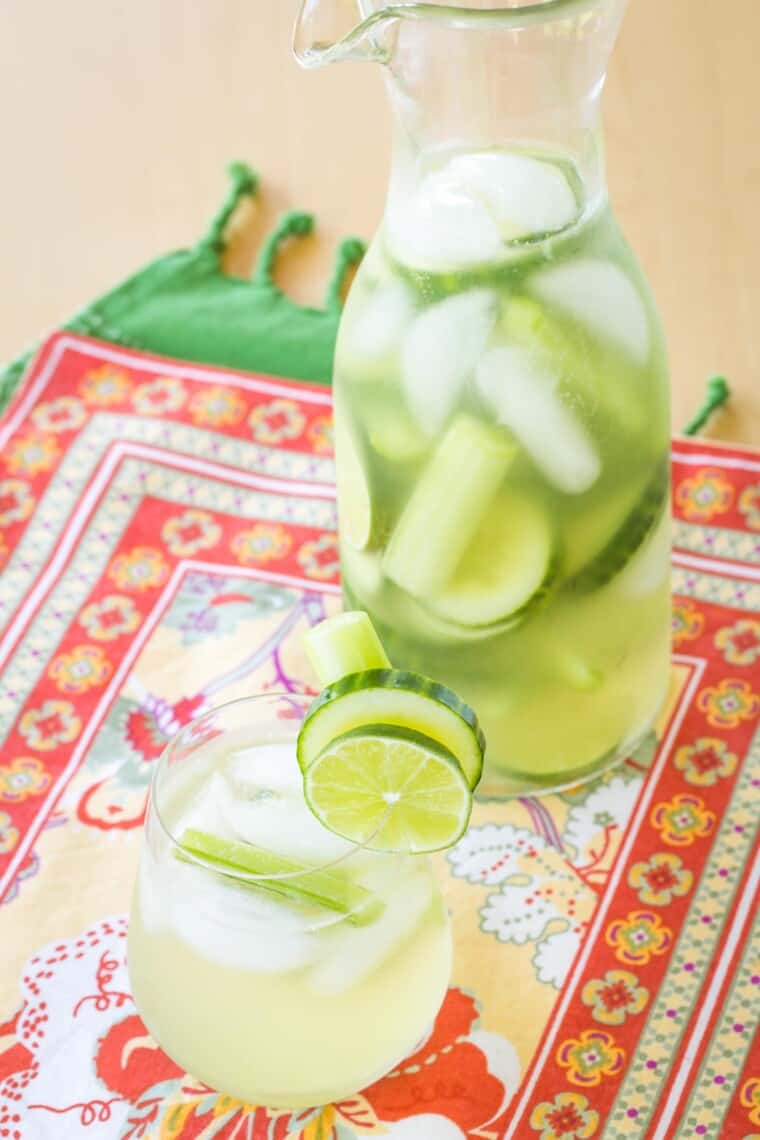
{"points": [[502, 436]]}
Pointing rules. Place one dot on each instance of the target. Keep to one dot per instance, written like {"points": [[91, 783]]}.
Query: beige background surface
{"points": [[117, 120]]}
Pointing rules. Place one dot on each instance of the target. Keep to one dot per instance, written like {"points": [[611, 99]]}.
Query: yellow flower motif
{"points": [[16, 501], [686, 621], [749, 505], [682, 820], [705, 761], [567, 1117], [749, 1097], [217, 406], [638, 937], [277, 421], [67, 413], [23, 777], [85, 667], [105, 386], [319, 558], [660, 879], [740, 643], [53, 723], [264, 542], [320, 435], [110, 618], [614, 997], [8, 835], [590, 1056], [157, 397], [31, 454], [726, 705], [190, 532], [703, 495], [142, 568]]}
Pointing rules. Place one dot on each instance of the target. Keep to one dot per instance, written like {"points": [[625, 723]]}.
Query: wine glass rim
{"points": [[233, 873]]}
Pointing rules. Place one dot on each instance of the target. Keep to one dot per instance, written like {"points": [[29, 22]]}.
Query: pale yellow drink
{"points": [[277, 1001]]}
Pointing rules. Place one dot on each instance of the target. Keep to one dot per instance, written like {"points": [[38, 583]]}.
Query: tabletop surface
{"points": [[117, 122]]}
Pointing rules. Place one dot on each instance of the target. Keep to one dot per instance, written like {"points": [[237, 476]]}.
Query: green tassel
{"points": [[718, 392], [243, 181], [294, 224], [350, 251]]}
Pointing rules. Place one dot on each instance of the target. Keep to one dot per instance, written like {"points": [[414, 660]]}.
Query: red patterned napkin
{"points": [[167, 533]]}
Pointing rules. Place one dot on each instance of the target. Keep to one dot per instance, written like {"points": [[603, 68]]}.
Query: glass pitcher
{"points": [[501, 389]]}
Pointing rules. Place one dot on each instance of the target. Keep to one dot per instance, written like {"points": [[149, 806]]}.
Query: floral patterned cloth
{"points": [[167, 532]]}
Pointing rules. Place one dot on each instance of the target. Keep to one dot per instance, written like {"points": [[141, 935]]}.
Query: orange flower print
{"points": [[705, 761], [53, 723], [320, 435], [23, 777], [703, 495], [615, 997], [31, 454], [567, 1117], [749, 1098], [319, 559], [660, 879], [85, 667], [158, 397], [682, 820], [687, 622], [277, 421], [590, 1056], [16, 501], [638, 937], [109, 619], [105, 386], [264, 542], [740, 643], [726, 705], [190, 532], [67, 413], [4, 551], [142, 569], [217, 406], [8, 835], [749, 505]]}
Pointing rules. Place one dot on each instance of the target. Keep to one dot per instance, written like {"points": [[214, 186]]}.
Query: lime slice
{"points": [[354, 501], [347, 643], [397, 700], [331, 889], [393, 790]]}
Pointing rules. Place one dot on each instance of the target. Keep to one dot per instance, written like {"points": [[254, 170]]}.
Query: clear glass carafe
{"points": [[501, 390]]}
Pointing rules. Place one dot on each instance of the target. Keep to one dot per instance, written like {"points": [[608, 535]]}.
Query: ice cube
{"points": [[599, 295], [525, 398], [272, 767], [237, 926], [376, 331], [204, 812], [440, 350], [353, 952], [438, 226], [523, 195], [281, 823]]}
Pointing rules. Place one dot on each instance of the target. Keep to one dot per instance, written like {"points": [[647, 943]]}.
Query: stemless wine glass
{"points": [[293, 987]]}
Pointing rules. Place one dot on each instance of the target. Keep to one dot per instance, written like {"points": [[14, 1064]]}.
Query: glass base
{"points": [[503, 784]]}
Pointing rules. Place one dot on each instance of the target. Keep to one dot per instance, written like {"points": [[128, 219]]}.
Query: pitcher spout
{"points": [[330, 31]]}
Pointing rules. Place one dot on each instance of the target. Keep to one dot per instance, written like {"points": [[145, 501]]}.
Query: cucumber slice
{"points": [[447, 506], [627, 537], [354, 500], [347, 643], [331, 889], [506, 568], [392, 697]]}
